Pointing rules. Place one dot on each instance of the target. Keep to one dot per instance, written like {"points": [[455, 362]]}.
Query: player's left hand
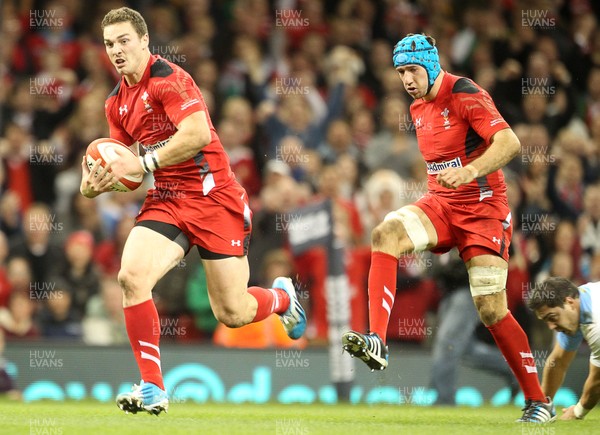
{"points": [[126, 164], [453, 178], [568, 413]]}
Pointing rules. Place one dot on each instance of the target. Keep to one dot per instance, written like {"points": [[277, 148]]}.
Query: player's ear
{"points": [[145, 41]]}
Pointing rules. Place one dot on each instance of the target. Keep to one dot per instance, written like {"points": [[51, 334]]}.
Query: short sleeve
{"points": [[570, 343], [479, 110], [116, 129], [179, 96]]}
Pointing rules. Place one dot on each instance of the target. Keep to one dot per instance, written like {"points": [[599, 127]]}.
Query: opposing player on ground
{"points": [[196, 201], [465, 142], [573, 312]]}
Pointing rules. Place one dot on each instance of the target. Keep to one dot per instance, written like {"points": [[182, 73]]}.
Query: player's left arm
{"points": [[503, 148], [589, 397], [193, 134], [477, 108]]}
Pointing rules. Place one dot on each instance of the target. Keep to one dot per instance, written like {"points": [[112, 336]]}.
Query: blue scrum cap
{"points": [[417, 50]]}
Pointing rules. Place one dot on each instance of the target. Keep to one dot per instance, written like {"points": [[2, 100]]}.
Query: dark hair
{"points": [[123, 15], [552, 293]]}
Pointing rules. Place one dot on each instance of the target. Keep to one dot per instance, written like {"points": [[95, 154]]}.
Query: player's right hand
{"points": [[96, 180]]}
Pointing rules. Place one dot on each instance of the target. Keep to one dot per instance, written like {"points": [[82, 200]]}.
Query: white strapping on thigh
{"points": [[414, 227], [487, 280]]}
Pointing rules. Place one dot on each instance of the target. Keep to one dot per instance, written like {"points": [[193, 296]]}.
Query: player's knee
{"points": [[386, 231], [129, 280]]}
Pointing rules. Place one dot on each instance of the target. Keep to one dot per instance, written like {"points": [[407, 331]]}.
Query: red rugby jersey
{"points": [[149, 112], [453, 130]]}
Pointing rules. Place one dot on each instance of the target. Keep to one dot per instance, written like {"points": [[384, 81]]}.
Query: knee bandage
{"points": [[487, 280], [415, 230]]}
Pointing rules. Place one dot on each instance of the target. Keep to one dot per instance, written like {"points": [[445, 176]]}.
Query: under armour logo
{"points": [[495, 240], [418, 122], [236, 243], [122, 109]]}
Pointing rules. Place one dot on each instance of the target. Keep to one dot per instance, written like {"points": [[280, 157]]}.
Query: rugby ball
{"points": [[104, 149]]}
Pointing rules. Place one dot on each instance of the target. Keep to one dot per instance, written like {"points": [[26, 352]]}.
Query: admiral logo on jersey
{"points": [[436, 168]]}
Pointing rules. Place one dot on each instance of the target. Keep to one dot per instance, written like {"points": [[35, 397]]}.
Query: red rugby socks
{"points": [[143, 328], [512, 342], [382, 291], [270, 300]]}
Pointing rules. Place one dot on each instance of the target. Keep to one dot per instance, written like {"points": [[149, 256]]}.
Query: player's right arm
{"points": [[555, 369], [96, 180]]}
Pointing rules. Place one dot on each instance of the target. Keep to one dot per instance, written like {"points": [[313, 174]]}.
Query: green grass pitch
{"points": [[90, 418]]}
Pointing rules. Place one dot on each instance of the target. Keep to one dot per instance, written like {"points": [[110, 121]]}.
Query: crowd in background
{"points": [[307, 104]]}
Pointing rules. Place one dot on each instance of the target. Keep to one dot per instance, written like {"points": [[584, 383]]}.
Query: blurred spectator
{"points": [[5, 288], [338, 141], [348, 227], [591, 108], [15, 151], [79, 272], [241, 157], [18, 273], [58, 318], [37, 244], [107, 255], [394, 146], [7, 384], [382, 194], [589, 227], [17, 319], [565, 187], [104, 322]]}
